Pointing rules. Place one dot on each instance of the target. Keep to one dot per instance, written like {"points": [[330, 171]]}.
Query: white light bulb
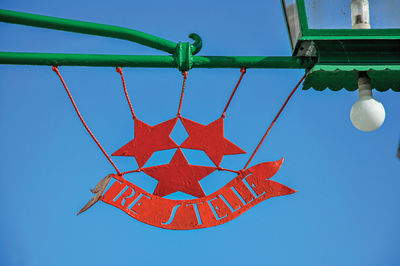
{"points": [[367, 114]]}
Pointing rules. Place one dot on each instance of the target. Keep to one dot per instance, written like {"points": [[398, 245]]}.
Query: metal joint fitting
{"points": [[183, 56]]}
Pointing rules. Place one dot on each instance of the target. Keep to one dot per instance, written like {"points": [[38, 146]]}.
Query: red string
{"points": [[184, 74], [243, 71], [119, 70], [55, 69], [273, 121]]}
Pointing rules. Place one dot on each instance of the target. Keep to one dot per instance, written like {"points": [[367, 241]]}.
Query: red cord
{"points": [[55, 69], [273, 121], [243, 71], [119, 70], [184, 74]]}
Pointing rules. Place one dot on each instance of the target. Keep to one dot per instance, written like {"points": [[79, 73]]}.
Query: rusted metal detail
{"points": [[98, 191]]}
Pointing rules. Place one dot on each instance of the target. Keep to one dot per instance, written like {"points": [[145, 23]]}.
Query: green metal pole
{"points": [[86, 60], [250, 62], [87, 28], [152, 60]]}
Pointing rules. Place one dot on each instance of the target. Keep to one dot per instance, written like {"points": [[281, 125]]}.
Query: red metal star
{"points": [[148, 139], [178, 175], [210, 139]]}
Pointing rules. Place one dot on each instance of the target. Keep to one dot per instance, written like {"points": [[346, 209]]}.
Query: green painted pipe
{"points": [[87, 28], [86, 60], [251, 62], [152, 60]]}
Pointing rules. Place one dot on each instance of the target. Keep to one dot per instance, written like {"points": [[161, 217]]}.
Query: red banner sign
{"points": [[249, 188]]}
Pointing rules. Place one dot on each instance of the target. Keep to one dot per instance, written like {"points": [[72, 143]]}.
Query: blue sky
{"points": [[346, 210]]}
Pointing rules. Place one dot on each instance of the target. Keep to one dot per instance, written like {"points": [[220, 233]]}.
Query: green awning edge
{"points": [[337, 77]]}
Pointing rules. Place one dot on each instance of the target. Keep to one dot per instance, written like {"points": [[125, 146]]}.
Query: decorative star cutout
{"points": [[179, 175], [148, 139], [210, 139]]}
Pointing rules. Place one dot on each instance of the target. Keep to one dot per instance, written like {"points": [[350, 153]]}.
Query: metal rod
{"points": [[86, 60], [151, 60], [87, 28], [250, 62]]}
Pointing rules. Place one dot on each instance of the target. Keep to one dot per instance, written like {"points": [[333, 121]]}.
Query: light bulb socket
{"points": [[363, 74], [364, 84]]}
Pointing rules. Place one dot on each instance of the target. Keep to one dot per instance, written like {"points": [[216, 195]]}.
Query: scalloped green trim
{"points": [[337, 77]]}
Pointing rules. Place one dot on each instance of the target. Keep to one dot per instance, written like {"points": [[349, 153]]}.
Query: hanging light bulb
{"points": [[367, 114]]}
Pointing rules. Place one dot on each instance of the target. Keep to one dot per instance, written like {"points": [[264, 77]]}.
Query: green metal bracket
{"points": [[182, 53], [331, 52]]}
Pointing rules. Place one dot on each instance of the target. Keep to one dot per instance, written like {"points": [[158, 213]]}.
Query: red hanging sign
{"points": [[250, 187], [246, 190]]}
